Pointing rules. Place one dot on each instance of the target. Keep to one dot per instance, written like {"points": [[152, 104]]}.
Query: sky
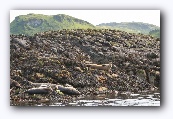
{"points": [[96, 17]]}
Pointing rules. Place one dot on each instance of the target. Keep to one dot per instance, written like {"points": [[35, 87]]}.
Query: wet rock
{"points": [[21, 42], [14, 83], [154, 78], [115, 49], [141, 74], [152, 55]]}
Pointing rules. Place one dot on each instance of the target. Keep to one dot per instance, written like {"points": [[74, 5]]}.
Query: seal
{"points": [[43, 89], [68, 90]]}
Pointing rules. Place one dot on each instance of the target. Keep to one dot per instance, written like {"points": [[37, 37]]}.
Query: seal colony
{"points": [[67, 64]]}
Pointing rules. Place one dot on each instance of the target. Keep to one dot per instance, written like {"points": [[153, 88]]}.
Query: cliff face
{"points": [[62, 57]]}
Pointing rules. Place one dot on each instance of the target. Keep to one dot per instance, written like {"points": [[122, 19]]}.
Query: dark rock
{"points": [[152, 55], [58, 57], [14, 83]]}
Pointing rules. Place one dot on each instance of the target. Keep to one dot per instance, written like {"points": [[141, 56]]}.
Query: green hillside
{"points": [[155, 33], [33, 23], [132, 27]]}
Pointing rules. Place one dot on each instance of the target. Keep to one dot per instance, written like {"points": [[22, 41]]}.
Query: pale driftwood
{"points": [[106, 67]]}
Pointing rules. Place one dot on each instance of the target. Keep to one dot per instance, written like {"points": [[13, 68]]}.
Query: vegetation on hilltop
{"points": [[34, 23], [155, 33], [131, 27]]}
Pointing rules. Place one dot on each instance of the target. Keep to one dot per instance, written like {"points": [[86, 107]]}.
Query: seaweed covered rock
{"points": [[87, 59]]}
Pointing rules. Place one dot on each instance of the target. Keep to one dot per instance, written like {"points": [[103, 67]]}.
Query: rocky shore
{"points": [[92, 62]]}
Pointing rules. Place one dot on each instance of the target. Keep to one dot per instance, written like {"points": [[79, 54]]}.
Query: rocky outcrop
{"points": [[59, 57]]}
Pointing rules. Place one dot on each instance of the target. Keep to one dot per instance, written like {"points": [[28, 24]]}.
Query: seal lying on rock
{"points": [[68, 90], [43, 89], [46, 88]]}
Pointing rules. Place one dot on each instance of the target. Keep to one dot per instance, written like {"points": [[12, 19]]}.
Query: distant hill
{"points": [[33, 23], [132, 27], [155, 33]]}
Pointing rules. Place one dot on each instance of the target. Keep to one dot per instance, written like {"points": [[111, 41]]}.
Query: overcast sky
{"points": [[96, 17]]}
